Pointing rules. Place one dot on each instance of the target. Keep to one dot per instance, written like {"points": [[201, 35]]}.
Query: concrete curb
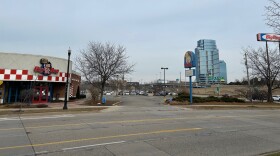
{"points": [[77, 108], [231, 106]]}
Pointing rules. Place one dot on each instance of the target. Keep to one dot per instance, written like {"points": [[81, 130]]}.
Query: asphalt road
{"points": [[142, 126]]}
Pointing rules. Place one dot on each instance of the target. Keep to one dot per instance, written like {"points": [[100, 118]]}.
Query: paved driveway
{"points": [[143, 126]]}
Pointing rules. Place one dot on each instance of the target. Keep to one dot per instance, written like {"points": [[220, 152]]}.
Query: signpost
{"points": [[189, 62], [269, 37]]}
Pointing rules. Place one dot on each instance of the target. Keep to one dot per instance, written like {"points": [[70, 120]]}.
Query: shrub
{"points": [[82, 96], [213, 99], [183, 96], [42, 106], [230, 99], [72, 98]]}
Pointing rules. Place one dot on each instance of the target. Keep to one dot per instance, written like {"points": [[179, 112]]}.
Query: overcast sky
{"points": [[156, 33]]}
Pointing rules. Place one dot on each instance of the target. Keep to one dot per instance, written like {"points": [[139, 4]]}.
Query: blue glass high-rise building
{"points": [[208, 67], [223, 72]]}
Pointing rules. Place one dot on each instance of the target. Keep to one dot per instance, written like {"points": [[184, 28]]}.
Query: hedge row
{"points": [[182, 97]]}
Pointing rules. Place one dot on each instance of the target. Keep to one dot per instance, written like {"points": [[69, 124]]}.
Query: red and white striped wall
{"points": [[23, 75]]}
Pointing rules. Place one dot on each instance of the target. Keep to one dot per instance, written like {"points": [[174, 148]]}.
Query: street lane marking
{"points": [[37, 118], [79, 147], [42, 152], [132, 121], [99, 138]]}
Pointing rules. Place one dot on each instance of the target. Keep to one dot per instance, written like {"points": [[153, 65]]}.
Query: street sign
{"points": [[189, 73], [1, 82], [269, 37]]}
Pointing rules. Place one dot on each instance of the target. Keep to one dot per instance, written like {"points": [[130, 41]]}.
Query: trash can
{"points": [[103, 100]]}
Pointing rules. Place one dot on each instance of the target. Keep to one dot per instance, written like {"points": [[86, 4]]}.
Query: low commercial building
{"points": [[39, 79]]}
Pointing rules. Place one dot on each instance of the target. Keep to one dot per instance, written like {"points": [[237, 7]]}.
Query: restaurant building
{"points": [[42, 76]]}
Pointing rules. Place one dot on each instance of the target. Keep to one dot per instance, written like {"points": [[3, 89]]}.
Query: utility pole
{"points": [[117, 93], [180, 86], [164, 79], [248, 78], [180, 78]]}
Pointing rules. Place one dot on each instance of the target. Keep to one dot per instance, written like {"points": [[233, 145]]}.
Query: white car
{"points": [[276, 97], [108, 93]]}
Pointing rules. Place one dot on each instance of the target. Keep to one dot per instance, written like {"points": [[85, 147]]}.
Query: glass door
{"points": [[40, 94]]}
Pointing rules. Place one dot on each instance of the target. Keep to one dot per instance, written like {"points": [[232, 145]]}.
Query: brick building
{"points": [[44, 76]]}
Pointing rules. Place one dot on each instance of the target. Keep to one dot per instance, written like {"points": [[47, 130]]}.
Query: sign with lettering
{"points": [[268, 37], [45, 68]]}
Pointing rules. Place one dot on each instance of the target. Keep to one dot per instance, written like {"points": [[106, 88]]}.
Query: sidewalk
{"points": [[73, 106]]}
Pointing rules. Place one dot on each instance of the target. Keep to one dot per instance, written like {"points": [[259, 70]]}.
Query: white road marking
{"points": [[42, 152], [37, 117], [109, 143]]}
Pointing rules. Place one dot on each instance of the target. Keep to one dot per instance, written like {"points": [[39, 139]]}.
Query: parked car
{"points": [[161, 93], [133, 93], [276, 97], [141, 92]]}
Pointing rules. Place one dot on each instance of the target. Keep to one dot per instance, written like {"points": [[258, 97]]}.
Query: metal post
{"points": [[123, 85], [117, 85], [190, 87], [248, 78], [164, 82], [269, 74], [164, 79], [279, 47], [67, 81]]}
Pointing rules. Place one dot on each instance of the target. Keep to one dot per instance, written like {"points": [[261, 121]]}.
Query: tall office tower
{"points": [[208, 67], [223, 72]]}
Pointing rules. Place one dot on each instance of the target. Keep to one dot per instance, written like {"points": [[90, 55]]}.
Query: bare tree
{"points": [[264, 65], [273, 15], [100, 62]]}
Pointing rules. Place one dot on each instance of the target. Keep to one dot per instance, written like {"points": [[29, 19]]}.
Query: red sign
{"points": [[268, 37], [46, 68], [45, 71]]}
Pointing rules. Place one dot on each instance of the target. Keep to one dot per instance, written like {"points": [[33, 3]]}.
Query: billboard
{"points": [[269, 37], [189, 59]]}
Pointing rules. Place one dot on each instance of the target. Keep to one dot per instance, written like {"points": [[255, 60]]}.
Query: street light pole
{"points": [[67, 81], [117, 85], [164, 79]]}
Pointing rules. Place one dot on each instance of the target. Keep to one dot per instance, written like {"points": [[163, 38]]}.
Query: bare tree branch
{"points": [[258, 62], [100, 62], [273, 15]]}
